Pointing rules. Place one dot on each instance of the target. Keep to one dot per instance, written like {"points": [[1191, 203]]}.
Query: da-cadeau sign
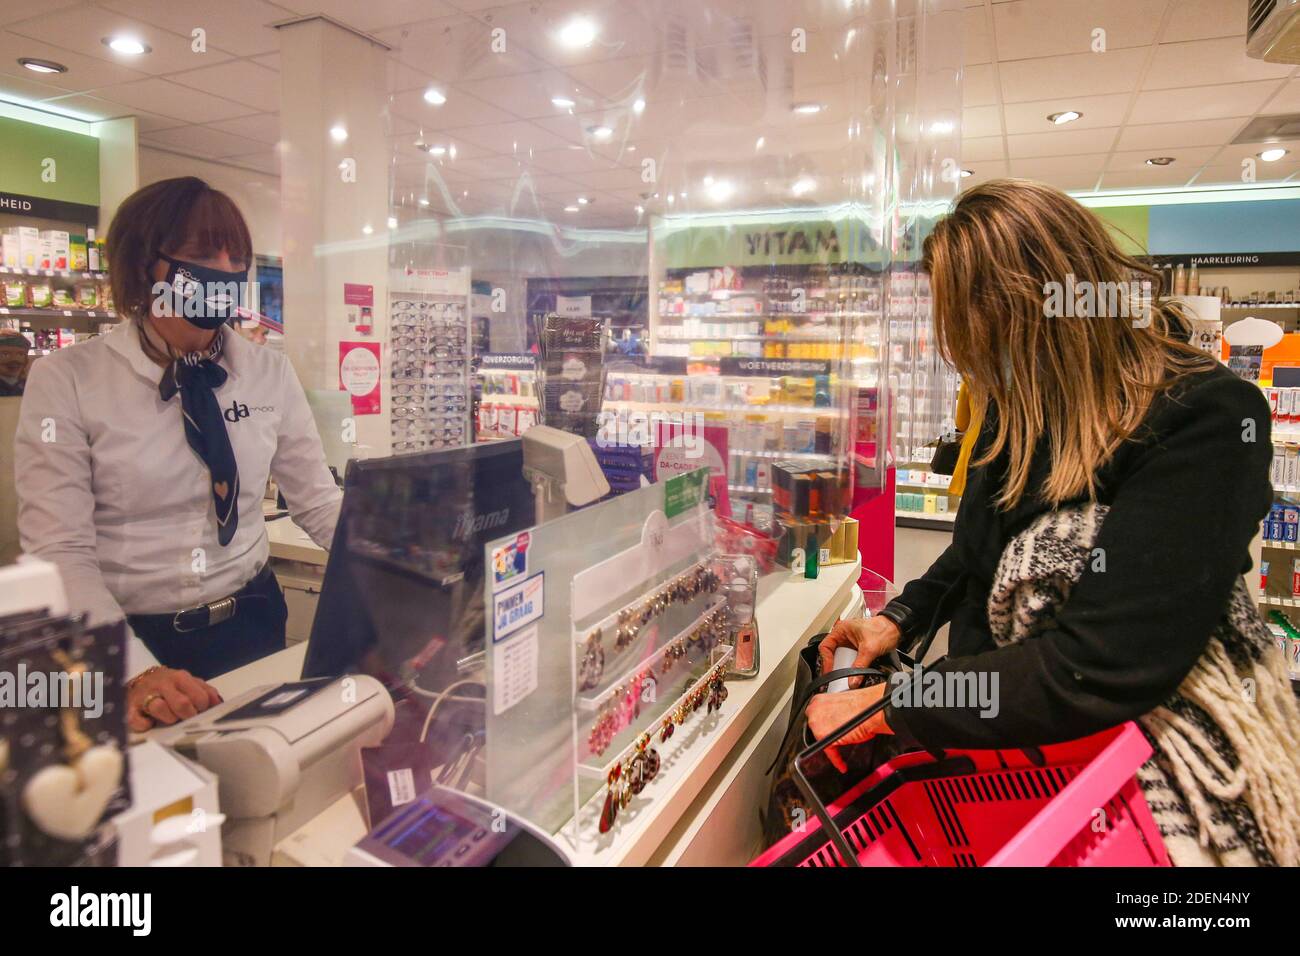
{"points": [[682, 447], [359, 375]]}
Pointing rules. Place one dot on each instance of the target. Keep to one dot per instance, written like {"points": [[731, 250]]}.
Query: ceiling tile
{"points": [[976, 47], [1098, 112], [242, 82], [1198, 62], [1187, 159], [1201, 103], [1029, 28], [170, 99], [88, 107], [978, 88], [82, 30], [1203, 19], [84, 72], [1146, 178], [262, 127], [372, 15], [509, 137], [978, 121], [529, 96], [241, 27], [461, 109], [1165, 136], [1061, 142], [628, 76], [459, 47], [982, 149], [1075, 75], [20, 89], [1286, 100], [200, 141], [11, 13]]}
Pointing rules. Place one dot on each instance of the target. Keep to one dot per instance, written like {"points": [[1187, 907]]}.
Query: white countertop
{"points": [[790, 610]]}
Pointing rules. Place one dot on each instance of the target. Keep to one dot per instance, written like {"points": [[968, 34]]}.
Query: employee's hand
{"points": [[872, 636], [164, 696], [829, 712]]}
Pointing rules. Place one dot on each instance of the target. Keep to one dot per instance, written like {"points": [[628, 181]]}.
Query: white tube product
{"points": [[844, 657]]}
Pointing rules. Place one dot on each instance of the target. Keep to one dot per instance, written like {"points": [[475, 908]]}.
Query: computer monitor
{"points": [[402, 597]]}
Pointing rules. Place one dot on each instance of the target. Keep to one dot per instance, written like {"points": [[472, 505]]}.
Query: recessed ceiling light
{"points": [[758, 143], [578, 32], [1065, 116], [1160, 160], [437, 150], [126, 45], [600, 132], [807, 109], [570, 208], [435, 96], [638, 105], [803, 185], [424, 202], [631, 149], [367, 229], [42, 66], [965, 173], [583, 200], [639, 209], [942, 127], [392, 222], [1273, 154], [338, 133], [451, 150], [563, 102], [721, 190]]}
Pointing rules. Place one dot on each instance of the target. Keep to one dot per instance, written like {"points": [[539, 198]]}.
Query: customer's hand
{"points": [[872, 636], [164, 696], [829, 712]]}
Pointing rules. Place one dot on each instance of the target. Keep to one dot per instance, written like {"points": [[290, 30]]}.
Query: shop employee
{"points": [[142, 456]]}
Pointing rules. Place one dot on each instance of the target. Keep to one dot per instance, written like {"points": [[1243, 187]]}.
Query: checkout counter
{"points": [[705, 810]]}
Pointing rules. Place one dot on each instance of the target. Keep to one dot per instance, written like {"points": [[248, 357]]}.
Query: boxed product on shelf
{"points": [[15, 293], [624, 465], [58, 248], [40, 294], [10, 254], [77, 256], [29, 246]]}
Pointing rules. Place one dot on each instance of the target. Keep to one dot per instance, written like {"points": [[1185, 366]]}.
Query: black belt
{"points": [[214, 612]]}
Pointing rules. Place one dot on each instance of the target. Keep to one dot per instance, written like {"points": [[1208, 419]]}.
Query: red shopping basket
{"points": [[1068, 804]]}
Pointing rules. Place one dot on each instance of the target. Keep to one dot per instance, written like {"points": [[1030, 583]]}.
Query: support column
{"points": [[334, 200]]}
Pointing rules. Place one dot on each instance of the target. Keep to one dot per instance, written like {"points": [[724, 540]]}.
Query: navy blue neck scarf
{"points": [[197, 376]]}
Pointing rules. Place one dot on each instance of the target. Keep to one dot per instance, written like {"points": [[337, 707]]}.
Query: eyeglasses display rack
{"points": [[429, 360]]}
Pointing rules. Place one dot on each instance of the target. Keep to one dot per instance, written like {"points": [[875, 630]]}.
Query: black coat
{"points": [[1186, 496]]}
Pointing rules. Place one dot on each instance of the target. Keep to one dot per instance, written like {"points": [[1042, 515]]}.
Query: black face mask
{"points": [[204, 297]]}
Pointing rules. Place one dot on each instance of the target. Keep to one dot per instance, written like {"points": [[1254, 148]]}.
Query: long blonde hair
{"points": [[1010, 268]]}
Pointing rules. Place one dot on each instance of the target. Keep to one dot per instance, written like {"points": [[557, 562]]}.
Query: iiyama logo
{"points": [[238, 410], [470, 524]]}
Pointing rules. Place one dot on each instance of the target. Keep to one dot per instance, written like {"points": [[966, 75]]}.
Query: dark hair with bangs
{"points": [[165, 217]]}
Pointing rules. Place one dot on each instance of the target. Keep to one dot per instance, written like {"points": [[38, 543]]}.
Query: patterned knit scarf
{"points": [[1224, 781]]}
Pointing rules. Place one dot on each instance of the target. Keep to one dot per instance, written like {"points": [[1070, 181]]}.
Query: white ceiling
{"points": [[1175, 81]]}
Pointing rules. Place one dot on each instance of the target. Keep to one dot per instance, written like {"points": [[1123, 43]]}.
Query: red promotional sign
{"points": [[359, 375]]}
